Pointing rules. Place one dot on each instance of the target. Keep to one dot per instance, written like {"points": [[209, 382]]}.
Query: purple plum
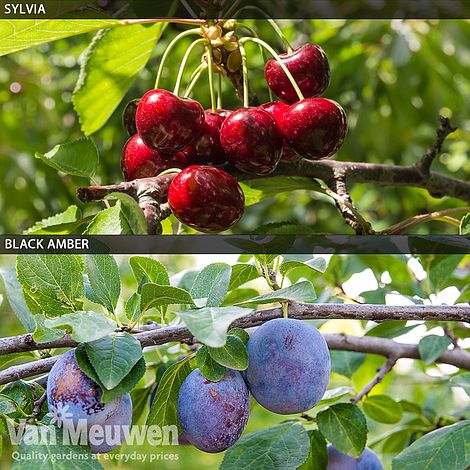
{"points": [[339, 461]]}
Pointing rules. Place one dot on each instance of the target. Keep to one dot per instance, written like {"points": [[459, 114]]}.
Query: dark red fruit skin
{"points": [[308, 65], [140, 161], [277, 109], [206, 198], [252, 141], [315, 127], [207, 149], [168, 123]]}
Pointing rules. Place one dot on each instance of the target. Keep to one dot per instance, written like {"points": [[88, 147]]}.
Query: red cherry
{"points": [[140, 161], [315, 127], [207, 150], [168, 123], [277, 109], [252, 140], [309, 67], [206, 198]]}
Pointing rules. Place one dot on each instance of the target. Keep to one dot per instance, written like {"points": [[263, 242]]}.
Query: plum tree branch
{"points": [[368, 344]]}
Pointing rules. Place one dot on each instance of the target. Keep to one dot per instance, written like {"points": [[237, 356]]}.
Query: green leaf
{"points": [[232, 355], [154, 295], [132, 307], [333, 395], [113, 357], [52, 284], [301, 292], [390, 329], [23, 394], [345, 427], [7, 406], [59, 224], [124, 386], [209, 368], [140, 400], [257, 189], [212, 284], [83, 326], [441, 269], [16, 298], [318, 265], [43, 334], [346, 362], [113, 60], [383, 409], [241, 274], [210, 324], [432, 347], [78, 158], [110, 221], [445, 448], [46, 455], [461, 380], [318, 455], [464, 228], [284, 447], [149, 270], [103, 274], [16, 35], [164, 408], [131, 213], [240, 333]]}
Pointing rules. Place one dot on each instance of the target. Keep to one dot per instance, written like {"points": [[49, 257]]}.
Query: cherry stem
{"points": [[184, 61], [279, 61], [194, 79], [163, 20], [273, 23], [169, 49], [170, 171], [210, 74], [246, 98], [219, 92]]}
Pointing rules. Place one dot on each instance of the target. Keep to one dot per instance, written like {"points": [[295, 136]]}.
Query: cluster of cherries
{"points": [[174, 132]]}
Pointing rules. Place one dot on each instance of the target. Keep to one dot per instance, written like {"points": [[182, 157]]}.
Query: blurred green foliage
{"points": [[393, 78]]}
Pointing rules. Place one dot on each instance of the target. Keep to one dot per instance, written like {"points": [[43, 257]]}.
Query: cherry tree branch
{"points": [[368, 344]]}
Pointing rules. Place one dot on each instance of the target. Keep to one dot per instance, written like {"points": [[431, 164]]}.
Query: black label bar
{"points": [[236, 244]]}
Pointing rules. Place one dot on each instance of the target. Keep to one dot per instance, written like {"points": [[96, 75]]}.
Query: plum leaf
{"points": [[212, 284]]}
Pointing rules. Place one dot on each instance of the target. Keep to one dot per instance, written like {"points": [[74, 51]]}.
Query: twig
{"points": [[445, 128], [38, 405], [381, 373]]}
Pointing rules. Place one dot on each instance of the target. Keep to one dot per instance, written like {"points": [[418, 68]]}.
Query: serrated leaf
{"points": [[300, 292], [23, 395], [113, 60], [210, 324], [83, 326], [240, 333], [103, 275], [257, 189], [7, 405], [16, 35], [164, 407], [345, 427], [232, 355], [16, 298], [317, 265], [318, 455], [78, 158], [149, 270], [464, 228], [124, 386], [333, 395], [154, 295], [432, 347], [132, 307], [241, 274], [110, 221], [52, 284], [212, 284], [461, 380], [59, 224], [346, 362], [284, 447], [448, 447], [131, 213], [113, 357], [382, 409], [390, 329], [43, 334], [209, 368]]}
